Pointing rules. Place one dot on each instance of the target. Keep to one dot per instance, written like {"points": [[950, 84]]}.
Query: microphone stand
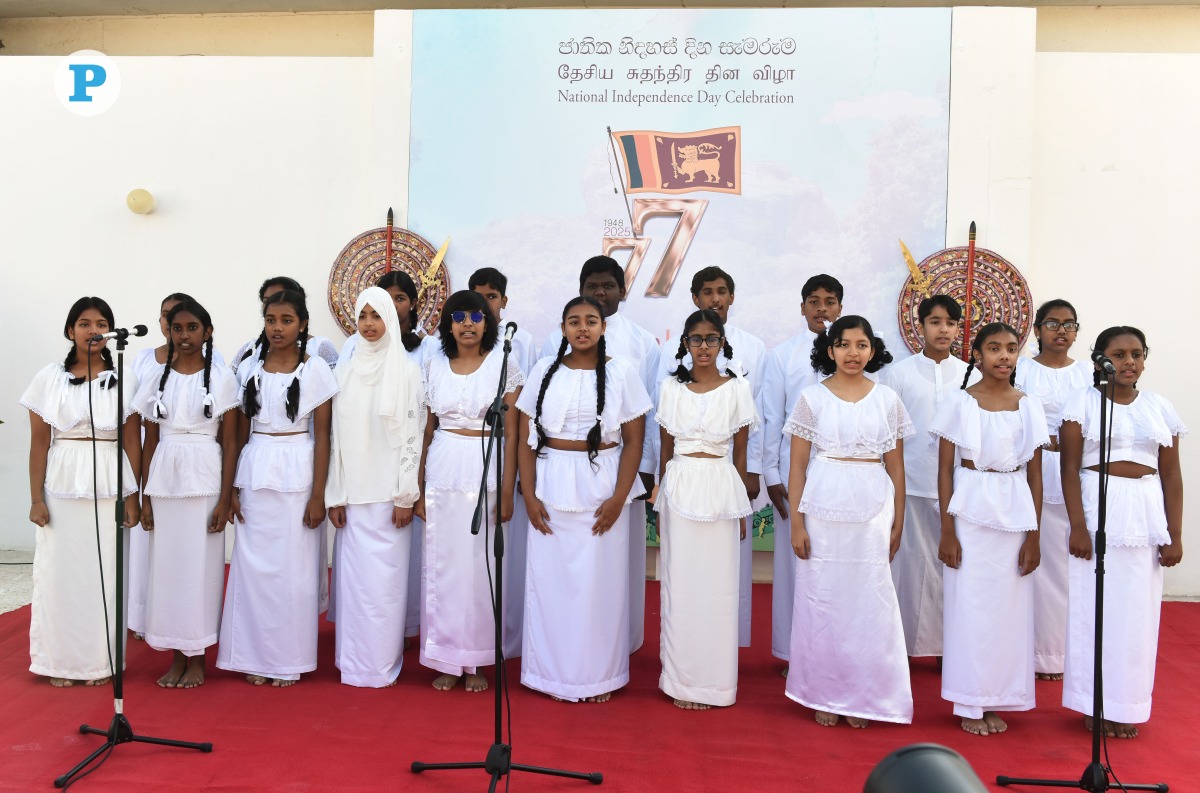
{"points": [[499, 756], [1095, 775], [119, 729]]}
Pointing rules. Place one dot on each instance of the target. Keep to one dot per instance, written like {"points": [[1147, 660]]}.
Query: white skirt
{"points": [[637, 574], [457, 625], [516, 541], [371, 581], [186, 576], [1050, 588], [137, 577], [412, 621], [917, 575], [66, 626], [848, 654], [269, 623], [783, 580], [987, 662], [576, 619]]}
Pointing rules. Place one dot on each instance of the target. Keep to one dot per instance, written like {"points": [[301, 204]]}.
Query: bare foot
{"points": [[683, 704], [278, 683], [476, 683], [141, 637], [605, 697], [1049, 676], [103, 681], [171, 678], [193, 676], [255, 680], [446, 682], [826, 719], [1113, 729], [994, 723], [857, 723], [61, 682], [784, 672], [975, 726], [394, 682]]}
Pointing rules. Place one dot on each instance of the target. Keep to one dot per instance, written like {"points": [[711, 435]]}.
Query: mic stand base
{"points": [[120, 731], [499, 763], [1094, 778]]}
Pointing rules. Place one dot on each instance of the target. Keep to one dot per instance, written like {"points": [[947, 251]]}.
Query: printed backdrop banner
{"points": [[776, 144]]}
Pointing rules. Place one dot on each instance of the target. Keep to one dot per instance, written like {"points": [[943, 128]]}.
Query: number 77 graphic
{"points": [[688, 210]]}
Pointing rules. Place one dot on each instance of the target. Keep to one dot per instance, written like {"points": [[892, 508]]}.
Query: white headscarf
{"points": [[381, 364]]}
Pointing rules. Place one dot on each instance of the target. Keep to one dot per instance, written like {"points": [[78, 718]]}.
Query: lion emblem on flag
{"points": [[693, 159]]}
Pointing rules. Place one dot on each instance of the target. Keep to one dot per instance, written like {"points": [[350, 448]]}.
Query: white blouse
{"points": [[460, 401], [569, 405], [65, 408], [317, 347], [317, 386], [849, 492], [705, 423], [1052, 386], [1139, 429]]}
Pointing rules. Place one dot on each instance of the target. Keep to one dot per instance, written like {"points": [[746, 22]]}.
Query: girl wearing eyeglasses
{"points": [[1049, 378], [701, 500], [848, 657], [457, 631], [372, 492]]}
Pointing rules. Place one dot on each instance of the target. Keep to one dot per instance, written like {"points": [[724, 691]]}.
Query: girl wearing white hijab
{"points": [[377, 430]]}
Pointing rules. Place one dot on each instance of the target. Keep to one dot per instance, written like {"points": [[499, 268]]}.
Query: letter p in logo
{"points": [[87, 82], [87, 75]]}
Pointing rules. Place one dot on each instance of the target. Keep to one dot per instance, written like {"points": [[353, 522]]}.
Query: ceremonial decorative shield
{"points": [[1001, 293], [361, 264]]}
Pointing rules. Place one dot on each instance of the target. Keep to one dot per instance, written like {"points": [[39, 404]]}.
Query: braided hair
{"points": [[398, 279], [1046, 308], [188, 306], [537, 413], [1107, 335], [250, 394], [825, 341], [986, 332], [594, 434], [684, 374], [81, 305]]}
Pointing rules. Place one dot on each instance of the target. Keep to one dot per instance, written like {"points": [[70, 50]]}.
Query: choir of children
{"points": [[884, 549]]}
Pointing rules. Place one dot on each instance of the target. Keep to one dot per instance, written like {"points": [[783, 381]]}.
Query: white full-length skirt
{"points": [[323, 598], [516, 541], [137, 566], [269, 623], [783, 580], [66, 627], [187, 576], [576, 618], [412, 621], [1133, 587], [987, 660], [371, 581], [746, 573], [917, 575], [847, 654], [1050, 594], [457, 624], [637, 575]]}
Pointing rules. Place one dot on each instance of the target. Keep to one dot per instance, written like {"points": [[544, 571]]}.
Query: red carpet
{"points": [[322, 736]]}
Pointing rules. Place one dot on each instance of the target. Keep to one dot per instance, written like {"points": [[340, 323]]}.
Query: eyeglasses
{"points": [[703, 341], [1069, 327], [461, 316]]}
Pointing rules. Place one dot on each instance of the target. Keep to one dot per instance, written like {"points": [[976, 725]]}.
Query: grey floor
{"points": [[16, 579]]}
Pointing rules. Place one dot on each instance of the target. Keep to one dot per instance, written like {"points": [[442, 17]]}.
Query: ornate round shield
{"points": [[361, 264], [1000, 293]]}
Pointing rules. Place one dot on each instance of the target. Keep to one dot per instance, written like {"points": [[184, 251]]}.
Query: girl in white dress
{"points": [[1143, 527], [990, 503], [377, 433], [269, 625], [847, 484], [188, 461], [72, 627], [701, 500], [1049, 378], [579, 455], [457, 625]]}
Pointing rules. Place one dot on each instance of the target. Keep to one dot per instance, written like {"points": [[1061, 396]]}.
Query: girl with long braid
{"points": [[990, 502], [1051, 377], [579, 455], [269, 624], [1144, 530], [314, 345], [701, 500], [188, 461], [67, 636]]}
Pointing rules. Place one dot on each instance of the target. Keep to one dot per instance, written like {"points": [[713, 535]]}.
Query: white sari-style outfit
{"points": [[457, 627], [378, 423], [923, 384], [67, 622], [701, 502], [576, 624], [1135, 527], [987, 658], [269, 622], [186, 575], [1051, 387], [847, 655]]}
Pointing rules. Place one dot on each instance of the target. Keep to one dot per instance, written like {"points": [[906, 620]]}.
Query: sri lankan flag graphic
{"points": [[682, 162]]}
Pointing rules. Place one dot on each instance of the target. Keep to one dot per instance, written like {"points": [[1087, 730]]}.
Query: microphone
{"points": [[120, 334], [1103, 362], [510, 330]]}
